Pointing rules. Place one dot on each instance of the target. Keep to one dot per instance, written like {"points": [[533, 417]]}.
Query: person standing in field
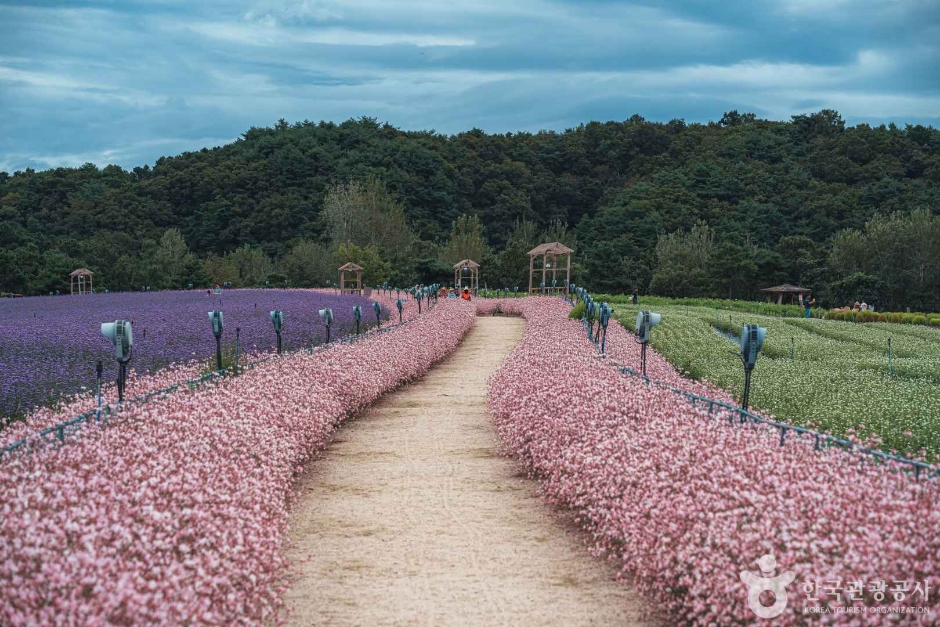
{"points": [[466, 293], [808, 303], [636, 296]]}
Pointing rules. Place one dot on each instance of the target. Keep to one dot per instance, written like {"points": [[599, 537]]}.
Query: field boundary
{"points": [[57, 433], [821, 440]]}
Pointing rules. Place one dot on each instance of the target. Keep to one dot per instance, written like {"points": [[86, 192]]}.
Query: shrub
{"points": [[576, 312], [934, 321], [918, 319]]}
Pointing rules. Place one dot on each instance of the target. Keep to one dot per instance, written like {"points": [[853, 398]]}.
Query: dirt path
{"points": [[410, 517]]}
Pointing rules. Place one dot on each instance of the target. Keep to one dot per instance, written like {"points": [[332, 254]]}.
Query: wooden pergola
{"points": [[549, 252], [81, 281], [793, 293], [356, 271], [470, 270]]}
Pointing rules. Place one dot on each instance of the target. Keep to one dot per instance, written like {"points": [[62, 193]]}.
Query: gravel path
{"points": [[410, 517]]}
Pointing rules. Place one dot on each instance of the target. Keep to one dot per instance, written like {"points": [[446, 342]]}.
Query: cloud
{"points": [[128, 82], [273, 35]]}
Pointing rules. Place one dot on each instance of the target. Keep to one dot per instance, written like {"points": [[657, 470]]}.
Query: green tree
{"points": [[375, 270], [366, 214], [466, 240], [309, 264], [682, 261]]}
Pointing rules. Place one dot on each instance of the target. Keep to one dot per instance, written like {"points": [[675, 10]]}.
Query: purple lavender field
{"points": [[49, 345]]}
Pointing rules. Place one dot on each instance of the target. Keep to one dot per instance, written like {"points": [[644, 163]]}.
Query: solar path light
{"points": [[752, 339], [277, 319], [215, 317], [121, 335], [645, 321], [378, 313]]}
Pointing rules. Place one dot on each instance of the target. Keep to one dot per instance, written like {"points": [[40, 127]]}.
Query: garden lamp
{"points": [[121, 335], [752, 339], [604, 318], [277, 319], [645, 321], [327, 316], [378, 313], [215, 317], [357, 314], [400, 306]]}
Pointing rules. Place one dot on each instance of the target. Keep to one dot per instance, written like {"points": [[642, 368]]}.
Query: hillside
{"points": [[775, 195]]}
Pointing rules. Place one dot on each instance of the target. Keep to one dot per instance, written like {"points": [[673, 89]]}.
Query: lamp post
{"points": [[277, 319], [216, 318], [752, 339], [645, 321], [121, 335]]}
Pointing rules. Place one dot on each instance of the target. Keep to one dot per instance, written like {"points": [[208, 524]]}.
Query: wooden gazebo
{"points": [[81, 281], [792, 293], [549, 252], [356, 271], [467, 269]]}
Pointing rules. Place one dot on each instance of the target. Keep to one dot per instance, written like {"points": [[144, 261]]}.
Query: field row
{"points": [[834, 376], [177, 511], [49, 346], [685, 502]]}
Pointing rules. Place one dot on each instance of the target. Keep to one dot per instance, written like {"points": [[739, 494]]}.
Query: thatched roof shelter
{"points": [[467, 269], [549, 251], [356, 279], [792, 293], [81, 281], [550, 248]]}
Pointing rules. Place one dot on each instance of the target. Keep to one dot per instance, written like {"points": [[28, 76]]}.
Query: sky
{"points": [[128, 81]]}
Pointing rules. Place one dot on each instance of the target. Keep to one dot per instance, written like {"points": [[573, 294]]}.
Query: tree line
{"points": [[719, 209]]}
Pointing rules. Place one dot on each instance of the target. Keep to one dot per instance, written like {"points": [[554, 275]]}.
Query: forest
{"points": [[719, 209]]}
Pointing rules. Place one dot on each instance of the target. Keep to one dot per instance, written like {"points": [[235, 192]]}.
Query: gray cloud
{"points": [[125, 83]]}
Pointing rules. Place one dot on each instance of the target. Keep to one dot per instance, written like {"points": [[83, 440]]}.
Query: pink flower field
{"points": [[684, 502], [141, 384], [176, 512]]}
